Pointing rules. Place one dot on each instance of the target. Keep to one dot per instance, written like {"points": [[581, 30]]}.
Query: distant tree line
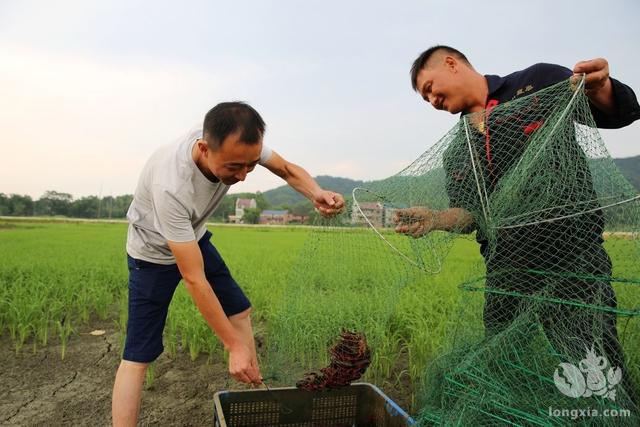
{"points": [[53, 203]]}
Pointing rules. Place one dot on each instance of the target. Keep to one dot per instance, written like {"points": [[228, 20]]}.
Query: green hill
{"points": [[53, 203], [630, 168], [285, 195]]}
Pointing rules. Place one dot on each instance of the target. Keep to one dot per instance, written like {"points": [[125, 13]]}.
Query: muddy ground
{"points": [[40, 389]]}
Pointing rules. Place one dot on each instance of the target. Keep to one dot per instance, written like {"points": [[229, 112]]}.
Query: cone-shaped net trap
{"points": [[545, 320]]}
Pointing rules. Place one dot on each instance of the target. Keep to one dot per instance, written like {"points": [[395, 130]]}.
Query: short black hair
{"points": [[421, 61], [229, 117]]}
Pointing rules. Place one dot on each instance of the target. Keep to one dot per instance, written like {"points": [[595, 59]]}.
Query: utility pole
{"points": [[99, 202]]}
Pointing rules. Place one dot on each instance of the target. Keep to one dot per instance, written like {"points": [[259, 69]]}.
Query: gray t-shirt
{"points": [[172, 201]]}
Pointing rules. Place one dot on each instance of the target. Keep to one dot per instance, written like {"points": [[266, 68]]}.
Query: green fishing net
{"points": [[541, 330]]}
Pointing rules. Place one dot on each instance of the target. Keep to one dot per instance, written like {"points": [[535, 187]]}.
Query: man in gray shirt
{"points": [[179, 188]]}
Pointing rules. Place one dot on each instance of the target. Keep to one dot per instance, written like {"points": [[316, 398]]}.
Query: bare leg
{"points": [[127, 392]]}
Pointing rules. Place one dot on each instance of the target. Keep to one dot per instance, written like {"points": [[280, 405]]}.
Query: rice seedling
{"points": [[55, 277]]}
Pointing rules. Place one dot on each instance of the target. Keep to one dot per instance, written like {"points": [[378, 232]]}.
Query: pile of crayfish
{"points": [[350, 358]]}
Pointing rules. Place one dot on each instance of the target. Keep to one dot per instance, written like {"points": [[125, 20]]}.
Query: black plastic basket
{"points": [[360, 405]]}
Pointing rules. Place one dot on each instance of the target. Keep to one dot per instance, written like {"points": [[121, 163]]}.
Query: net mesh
{"points": [[545, 321]]}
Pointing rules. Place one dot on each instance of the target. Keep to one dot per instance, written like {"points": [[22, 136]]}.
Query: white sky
{"points": [[88, 89]]}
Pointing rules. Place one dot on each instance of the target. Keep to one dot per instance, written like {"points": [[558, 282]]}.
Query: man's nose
{"points": [[241, 176], [432, 100]]}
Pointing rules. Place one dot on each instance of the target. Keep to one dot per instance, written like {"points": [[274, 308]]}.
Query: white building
{"points": [[241, 205]]}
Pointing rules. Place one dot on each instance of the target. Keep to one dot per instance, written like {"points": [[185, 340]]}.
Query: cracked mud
{"points": [[40, 389]]}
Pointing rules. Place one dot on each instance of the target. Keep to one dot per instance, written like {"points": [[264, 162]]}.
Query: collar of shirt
{"points": [[494, 83]]}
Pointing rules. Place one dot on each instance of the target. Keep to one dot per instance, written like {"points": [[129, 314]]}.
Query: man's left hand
{"points": [[328, 203]]}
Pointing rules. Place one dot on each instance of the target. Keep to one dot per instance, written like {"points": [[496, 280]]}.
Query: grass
{"points": [[305, 286]]}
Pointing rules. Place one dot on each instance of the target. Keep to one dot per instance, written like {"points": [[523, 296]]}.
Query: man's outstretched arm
{"points": [[417, 222], [328, 203]]}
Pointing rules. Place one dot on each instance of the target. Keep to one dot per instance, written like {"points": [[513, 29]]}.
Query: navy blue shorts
{"points": [[151, 287]]}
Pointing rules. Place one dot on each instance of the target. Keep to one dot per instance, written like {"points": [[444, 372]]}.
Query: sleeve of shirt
{"points": [[628, 110], [458, 175], [453, 190], [265, 154], [460, 183], [550, 74], [170, 217]]}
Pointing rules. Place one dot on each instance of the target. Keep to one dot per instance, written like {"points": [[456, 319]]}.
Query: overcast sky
{"points": [[89, 89]]}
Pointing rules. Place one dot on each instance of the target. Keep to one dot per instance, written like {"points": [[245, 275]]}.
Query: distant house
{"points": [[373, 211], [297, 219], [275, 217], [377, 213], [389, 213], [241, 205]]}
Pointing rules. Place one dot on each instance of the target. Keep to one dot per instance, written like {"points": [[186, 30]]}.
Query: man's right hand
{"points": [[415, 222], [243, 365]]}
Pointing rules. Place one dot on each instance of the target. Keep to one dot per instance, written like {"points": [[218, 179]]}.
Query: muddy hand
{"points": [[328, 203], [415, 222]]}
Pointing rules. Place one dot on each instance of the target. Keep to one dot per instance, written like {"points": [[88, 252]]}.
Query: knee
{"points": [[129, 366], [242, 315]]}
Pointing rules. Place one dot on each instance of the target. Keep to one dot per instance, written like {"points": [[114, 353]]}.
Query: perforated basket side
{"points": [[360, 404]]}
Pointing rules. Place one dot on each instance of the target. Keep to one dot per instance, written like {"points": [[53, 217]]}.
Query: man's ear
{"points": [[203, 147], [451, 63]]}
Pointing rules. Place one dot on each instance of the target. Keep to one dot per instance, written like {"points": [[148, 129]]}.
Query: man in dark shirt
{"points": [[515, 258]]}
